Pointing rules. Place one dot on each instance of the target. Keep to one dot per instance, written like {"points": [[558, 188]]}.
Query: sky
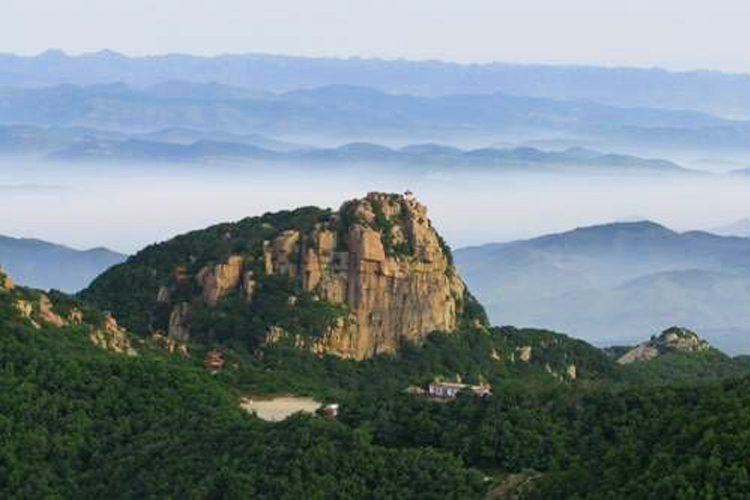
{"points": [[675, 34]]}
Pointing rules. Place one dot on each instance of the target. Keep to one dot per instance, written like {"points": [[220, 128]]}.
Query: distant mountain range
{"points": [[45, 265], [416, 158], [32, 139], [349, 114], [182, 145], [740, 228], [626, 87], [613, 282]]}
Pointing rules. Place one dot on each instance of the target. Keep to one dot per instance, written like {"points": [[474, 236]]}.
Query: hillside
{"points": [[610, 283], [596, 443], [40, 264], [676, 356], [80, 421], [87, 422]]}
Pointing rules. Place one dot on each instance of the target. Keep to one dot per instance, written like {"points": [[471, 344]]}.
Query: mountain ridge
{"points": [[416, 156], [41, 264], [615, 280], [353, 112], [608, 85]]}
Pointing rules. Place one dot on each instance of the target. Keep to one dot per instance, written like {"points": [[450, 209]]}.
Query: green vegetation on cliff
{"points": [[130, 289]]}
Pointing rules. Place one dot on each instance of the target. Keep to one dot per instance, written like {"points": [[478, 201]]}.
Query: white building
{"points": [[450, 390]]}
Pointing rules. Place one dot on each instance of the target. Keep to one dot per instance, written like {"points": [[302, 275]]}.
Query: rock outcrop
{"points": [[179, 327], [47, 313], [6, 283], [38, 309], [217, 279], [389, 269], [379, 259], [674, 339], [170, 344], [108, 335], [524, 353], [112, 337]]}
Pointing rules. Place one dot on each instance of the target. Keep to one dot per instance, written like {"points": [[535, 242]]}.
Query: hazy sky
{"points": [[680, 34]]}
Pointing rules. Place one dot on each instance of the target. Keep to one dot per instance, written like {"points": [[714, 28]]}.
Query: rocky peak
{"points": [[112, 337], [386, 264], [680, 339], [674, 339], [375, 272]]}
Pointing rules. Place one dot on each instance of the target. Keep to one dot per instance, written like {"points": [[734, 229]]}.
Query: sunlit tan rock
{"points": [[219, 278], [389, 297], [6, 283]]}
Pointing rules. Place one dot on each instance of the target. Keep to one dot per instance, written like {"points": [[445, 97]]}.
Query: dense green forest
{"points": [[565, 420], [80, 422], [635, 443], [474, 355]]}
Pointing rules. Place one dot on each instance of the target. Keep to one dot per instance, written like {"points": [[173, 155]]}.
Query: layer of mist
{"points": [[127, 207]]}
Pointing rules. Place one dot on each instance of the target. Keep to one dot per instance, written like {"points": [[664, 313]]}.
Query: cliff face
{"points": [[352, 283], [389, 269]]}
